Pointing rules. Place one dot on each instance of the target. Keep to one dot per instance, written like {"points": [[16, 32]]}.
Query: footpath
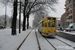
{"points": [[10, 42]]}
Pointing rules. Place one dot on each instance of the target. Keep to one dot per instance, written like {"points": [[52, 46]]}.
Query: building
{"points": [[70, 11], [63, 19]]}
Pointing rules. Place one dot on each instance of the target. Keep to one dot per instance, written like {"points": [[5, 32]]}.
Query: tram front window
{"points": [[51, 24]]}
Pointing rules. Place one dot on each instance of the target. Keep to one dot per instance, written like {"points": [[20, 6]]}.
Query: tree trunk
{"points": [[14, 18], [24, 21], [20, 17], [28, 21]]}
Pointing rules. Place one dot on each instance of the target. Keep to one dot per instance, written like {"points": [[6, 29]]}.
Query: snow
{"points": [[72, 32], [43, 43], [56, 43], [30, 43], [59, 45], [67, 41], [10, 42]]}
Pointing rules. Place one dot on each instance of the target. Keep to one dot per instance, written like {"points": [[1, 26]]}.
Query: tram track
{"points": [[57, 46], [37, 40], [60, 41], [68, 36], [24, 40], [47, 41], [65, 43], [51, 44]]}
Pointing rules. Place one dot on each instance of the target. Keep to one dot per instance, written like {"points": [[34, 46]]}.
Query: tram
{"points": [[47, 26]]}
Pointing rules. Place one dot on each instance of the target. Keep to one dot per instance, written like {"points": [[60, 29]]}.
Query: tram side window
{"points": [[42, 24], [51, 24], [46, 24]]}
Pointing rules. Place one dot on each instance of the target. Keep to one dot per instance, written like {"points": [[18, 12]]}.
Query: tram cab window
{"points": [[51, 24], [40, 25]]}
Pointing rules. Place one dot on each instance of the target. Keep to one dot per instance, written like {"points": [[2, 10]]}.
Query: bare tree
{"points": [[32, 4], [14, 17], [38, 16], [20, 17], [24, 16]]}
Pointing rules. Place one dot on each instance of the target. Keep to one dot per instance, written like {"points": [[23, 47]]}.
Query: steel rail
{"points": [[50, 44], [65, 43], [23, 41], [37, 40]]}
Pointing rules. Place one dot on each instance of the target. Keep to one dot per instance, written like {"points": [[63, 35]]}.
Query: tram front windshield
{"points": [[51, 24]]}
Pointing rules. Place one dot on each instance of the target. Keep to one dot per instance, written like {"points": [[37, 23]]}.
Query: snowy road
{"points": [[44, 43], [33, 41]]}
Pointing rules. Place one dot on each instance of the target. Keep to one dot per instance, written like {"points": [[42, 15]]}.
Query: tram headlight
{"points": [[54, 31]]}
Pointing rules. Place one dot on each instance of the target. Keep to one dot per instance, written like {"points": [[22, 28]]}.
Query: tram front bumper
{"points": [[51, 34]]}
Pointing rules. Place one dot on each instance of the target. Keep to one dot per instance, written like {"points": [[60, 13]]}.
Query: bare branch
{"points": [[31, 7]]}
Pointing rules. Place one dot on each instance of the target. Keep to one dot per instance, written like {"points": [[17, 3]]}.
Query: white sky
{"points": [[59, 10]]}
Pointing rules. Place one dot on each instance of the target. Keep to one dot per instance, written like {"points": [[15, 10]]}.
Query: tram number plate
{"points": [[51, 30]]}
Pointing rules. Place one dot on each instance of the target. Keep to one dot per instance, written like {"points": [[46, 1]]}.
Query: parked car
{"points": [[2, 27], [71, 27]]}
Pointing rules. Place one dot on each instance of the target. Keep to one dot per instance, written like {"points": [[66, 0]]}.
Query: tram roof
{"points": [[45, 19]]}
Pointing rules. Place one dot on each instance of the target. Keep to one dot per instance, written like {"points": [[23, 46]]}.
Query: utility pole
{"points": [[20, 17]]}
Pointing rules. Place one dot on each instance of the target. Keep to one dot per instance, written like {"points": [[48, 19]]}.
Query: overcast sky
{"points": [[59, 10]]}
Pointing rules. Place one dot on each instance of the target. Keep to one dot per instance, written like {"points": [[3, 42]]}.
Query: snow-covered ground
{"points": [[43, 43], [30, 43], [67, 41], [10, 42], [56, 43]]}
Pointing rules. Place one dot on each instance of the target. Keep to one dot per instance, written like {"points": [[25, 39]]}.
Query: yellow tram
{"points": [[47, 26]]}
